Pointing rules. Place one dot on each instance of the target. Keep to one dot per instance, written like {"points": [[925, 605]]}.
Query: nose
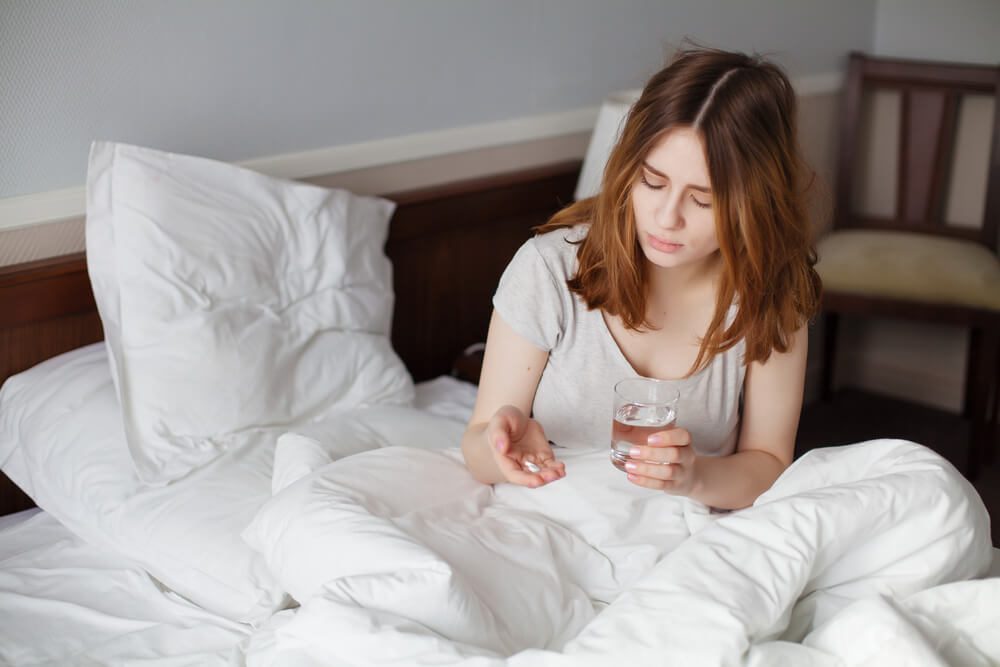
{"points": [[668, 213]]}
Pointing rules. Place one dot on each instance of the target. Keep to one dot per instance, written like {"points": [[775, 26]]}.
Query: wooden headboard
{"points": [[448, 246]]}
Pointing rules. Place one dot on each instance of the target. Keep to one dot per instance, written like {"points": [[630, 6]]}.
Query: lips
{"points": [[663, 246]]}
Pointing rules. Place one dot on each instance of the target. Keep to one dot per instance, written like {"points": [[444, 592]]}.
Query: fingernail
{"points": [[630, 466], [499, 445], [655, 439], [635, 451]]}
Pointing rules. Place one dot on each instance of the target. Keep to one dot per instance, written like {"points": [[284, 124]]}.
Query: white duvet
{"points": [[398, 557]]}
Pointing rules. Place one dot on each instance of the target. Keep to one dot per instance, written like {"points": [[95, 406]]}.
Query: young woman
{"points": [[693, 264]]}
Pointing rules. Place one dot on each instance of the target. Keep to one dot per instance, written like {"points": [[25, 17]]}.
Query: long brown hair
{"points": [[745, 112]]}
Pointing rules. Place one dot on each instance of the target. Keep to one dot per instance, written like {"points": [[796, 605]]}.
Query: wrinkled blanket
{"points": [[398, 557]]}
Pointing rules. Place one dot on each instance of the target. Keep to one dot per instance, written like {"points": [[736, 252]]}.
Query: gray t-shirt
{"points": [[574, 400]]}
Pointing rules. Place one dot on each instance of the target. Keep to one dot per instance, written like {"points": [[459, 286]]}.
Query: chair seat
{"points": [[910, 266]]}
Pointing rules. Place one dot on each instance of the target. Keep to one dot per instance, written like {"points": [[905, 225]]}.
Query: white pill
{"points": [[531, 467]]}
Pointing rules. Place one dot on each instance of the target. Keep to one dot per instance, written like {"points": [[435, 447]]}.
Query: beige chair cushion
{"points": [[911, 266]]}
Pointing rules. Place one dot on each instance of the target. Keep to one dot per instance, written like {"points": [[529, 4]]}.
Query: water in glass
{"points": [[633, 424]]}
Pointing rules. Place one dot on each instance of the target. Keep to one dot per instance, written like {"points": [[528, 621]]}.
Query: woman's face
{"points": [[672, 202]]}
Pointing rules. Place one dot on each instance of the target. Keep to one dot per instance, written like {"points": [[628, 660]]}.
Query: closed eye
{"points": [[648, 184]]}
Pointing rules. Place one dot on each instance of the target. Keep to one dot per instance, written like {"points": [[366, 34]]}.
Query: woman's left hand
{"points": [[665, 463]]}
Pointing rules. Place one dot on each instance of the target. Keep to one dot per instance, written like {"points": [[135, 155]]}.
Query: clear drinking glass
{"points": [[643, 406]]}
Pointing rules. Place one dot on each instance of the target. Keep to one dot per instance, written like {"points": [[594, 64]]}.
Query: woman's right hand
{"points": [[514, 440]]}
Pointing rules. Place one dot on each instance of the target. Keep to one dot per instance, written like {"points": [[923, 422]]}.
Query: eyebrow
{"points": [[699, 188]]}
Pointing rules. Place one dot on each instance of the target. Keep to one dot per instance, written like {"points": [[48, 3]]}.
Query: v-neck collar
{"points": [[609, 340]]}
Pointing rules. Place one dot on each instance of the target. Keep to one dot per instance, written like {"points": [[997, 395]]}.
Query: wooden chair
{"points": [[911, 263]]}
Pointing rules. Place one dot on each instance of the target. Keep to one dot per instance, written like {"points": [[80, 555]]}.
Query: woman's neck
{"points": [[680, 284]]}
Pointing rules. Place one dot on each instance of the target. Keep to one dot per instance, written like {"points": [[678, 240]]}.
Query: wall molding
{"points": [[55, 205], [818, 84], [43, 207]]}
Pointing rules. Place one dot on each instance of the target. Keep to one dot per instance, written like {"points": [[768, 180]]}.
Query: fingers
{"points": [[545, 466], [672, 437], [506, 426], [553, 470], [655, 471], [515, 473], [660, 455], [652, 482], [530, 469], [520, 449], [512, 420], [521, 478], [499, 439], [499, 432], [545, 459], [672, 479], [661, 463], [670, 446]]}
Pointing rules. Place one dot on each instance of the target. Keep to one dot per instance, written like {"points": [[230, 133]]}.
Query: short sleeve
{"points": [[529, 298]]}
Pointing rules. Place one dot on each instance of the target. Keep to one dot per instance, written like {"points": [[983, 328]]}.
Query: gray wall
{"points": [[237, 79], [957, 30]]}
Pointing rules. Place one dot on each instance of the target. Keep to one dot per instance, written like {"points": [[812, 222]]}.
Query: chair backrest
{"points": [[931, 95]]}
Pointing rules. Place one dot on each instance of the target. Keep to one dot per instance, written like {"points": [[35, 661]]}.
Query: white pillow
{"points": [[232, 301], [61, 424]]}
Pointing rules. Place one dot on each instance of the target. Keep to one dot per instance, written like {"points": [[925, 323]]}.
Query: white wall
{"points": [[242, 79], [920, 362]]}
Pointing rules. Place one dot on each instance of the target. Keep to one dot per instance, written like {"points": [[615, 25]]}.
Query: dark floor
{"points": [[854, 416]]}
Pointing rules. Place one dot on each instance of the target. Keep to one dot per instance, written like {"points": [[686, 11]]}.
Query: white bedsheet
{"points": [[65, 602], [849, 559]]}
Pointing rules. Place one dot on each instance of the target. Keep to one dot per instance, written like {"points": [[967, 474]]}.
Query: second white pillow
{"points": [[233, 301]]}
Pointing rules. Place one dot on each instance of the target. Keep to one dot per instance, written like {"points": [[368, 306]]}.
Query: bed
{"points": [[467, 229], [357, 537]]}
